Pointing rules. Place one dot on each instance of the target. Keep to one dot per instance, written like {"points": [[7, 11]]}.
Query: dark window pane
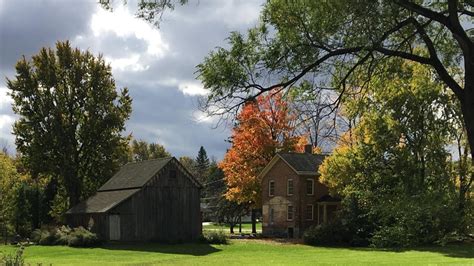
{"points": [[309, 186], [290, 212], [271, 188], [290, 186]]}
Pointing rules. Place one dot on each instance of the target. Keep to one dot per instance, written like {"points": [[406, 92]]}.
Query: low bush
{"points": [[81, 237], [214, 237], [47, 237], [64, 235], [328, 234]]}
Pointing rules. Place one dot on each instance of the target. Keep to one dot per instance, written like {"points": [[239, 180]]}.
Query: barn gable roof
{"points": [[135, 175], [126, 182], [102, 201]]}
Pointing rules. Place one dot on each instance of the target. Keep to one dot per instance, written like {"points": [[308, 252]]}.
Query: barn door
{"points": [[114, 227]]}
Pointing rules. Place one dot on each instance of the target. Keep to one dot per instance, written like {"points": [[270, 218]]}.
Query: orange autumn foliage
{"points": [[264, 127]]}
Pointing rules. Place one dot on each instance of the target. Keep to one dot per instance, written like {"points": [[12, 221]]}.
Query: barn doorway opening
{"points": [[114, 227]]}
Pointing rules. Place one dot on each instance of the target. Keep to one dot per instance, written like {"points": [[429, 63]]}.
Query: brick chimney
{"points": [[308, 148]]}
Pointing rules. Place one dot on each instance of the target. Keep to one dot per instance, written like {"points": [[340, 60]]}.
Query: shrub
{"points": [[36, 235], [14, 259], [81, 237], [64, 235], [214, 237], [391, 237], [415, 222], [327, 234], [47, 237]]}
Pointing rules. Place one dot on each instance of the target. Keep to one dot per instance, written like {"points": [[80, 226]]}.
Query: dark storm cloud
{"points": [[166, 116], [161, 112], [28, 25]]}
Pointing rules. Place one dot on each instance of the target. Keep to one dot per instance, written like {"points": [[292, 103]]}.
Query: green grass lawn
{"points": [[242, 252], [246, 227]]}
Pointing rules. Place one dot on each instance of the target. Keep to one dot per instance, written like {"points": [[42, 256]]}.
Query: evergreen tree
{"points": [[202, 165]]}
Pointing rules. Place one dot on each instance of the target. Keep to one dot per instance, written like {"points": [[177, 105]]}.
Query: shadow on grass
{"points": [[465, 250], [194, 249], [450, 250]]}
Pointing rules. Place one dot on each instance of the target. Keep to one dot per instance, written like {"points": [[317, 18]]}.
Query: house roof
{"points": [[102, 201], [300, 163], [135, 175], [303, 163]]}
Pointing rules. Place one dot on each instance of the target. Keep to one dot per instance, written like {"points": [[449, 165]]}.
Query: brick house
{"points": [[292, 197]]}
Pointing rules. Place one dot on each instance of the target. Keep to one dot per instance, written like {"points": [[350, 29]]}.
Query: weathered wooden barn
{"points": [[154, 200]]}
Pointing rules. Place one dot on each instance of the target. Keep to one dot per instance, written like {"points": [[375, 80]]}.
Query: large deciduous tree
{"points": [[326, 42], [141, 150], [8, 179], [393, 172], [70, 118], [263, 128]]}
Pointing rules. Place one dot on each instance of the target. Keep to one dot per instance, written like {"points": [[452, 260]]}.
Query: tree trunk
{"points": [[254, 222], [467, 107], [74, 192], [232, 228], [240, 224], [37, 206]]}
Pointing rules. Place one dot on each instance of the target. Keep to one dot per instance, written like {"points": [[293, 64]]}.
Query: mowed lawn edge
{"points": [[246, 252]]}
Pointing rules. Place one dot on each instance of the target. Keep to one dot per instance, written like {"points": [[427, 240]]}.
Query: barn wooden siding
{"points": [[166, 209], [95, 222]]}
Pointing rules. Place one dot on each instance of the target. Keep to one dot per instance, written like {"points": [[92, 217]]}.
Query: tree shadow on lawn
{"points": [[195, 249], [465, 250]]}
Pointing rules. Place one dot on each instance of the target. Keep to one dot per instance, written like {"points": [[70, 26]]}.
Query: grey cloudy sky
{"points": [[157, 65]]}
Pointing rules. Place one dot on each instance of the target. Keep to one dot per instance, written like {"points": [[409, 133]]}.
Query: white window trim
{"points": [[292, 212], [312, 212], [312, 187], [269, 188], [288, 187]]}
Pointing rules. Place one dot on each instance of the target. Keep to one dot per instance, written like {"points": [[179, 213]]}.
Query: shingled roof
{"points": [[135, 175], [102, 201], [301, 163]]}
